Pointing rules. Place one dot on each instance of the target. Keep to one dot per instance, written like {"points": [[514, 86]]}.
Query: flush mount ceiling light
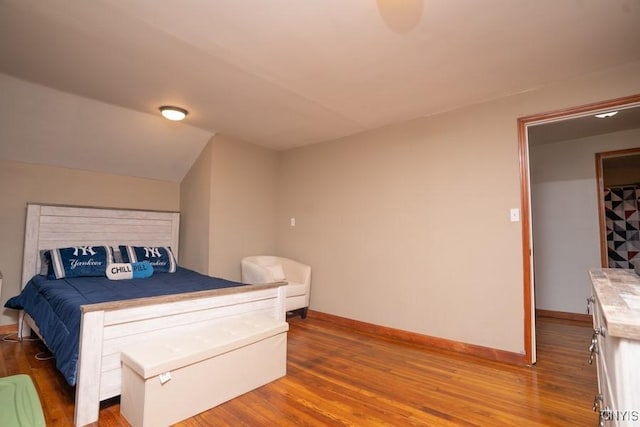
{"points": [[606, 115], [173, 113]]}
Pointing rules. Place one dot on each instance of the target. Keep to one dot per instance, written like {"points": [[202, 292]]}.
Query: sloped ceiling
{"points": [[45, 126], [285, 73]]}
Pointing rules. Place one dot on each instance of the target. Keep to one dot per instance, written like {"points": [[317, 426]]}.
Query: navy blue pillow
{"points": [[160, 257], [78, 261]]}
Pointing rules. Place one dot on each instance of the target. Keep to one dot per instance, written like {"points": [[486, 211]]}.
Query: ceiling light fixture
{"points": [[173, 113], [606, 115]]}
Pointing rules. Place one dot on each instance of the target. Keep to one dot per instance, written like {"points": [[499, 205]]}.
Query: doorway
{"points": [[564, 119]]}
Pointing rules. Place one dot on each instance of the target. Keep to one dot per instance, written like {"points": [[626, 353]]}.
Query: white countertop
{"points": [[618, 291]]}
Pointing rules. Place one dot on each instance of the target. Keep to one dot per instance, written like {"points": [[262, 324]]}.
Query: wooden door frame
{"points": [[525, 199]]}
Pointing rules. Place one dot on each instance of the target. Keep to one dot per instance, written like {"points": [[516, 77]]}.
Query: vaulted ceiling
{"points": [[284, 73]]}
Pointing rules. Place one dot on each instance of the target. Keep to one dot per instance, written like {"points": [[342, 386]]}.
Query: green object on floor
{"points": [[19, 402]]}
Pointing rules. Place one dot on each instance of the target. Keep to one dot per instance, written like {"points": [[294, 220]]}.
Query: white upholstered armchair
{"points": [[268, 269]]}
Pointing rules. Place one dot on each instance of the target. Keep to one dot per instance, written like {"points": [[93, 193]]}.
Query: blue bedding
{"points": [[54, 305]]}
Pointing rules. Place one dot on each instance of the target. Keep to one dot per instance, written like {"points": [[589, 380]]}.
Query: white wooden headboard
{"points": [[50, 226]]}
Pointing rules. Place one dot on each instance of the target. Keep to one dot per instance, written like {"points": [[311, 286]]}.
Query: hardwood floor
{"points": [[344, 378]]}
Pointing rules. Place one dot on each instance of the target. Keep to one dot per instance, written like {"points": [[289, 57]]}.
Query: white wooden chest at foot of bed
{"points": [[166, 381]]}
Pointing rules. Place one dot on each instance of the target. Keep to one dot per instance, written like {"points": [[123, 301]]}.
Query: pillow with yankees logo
{"points": [[160, 257], [78, 261]]}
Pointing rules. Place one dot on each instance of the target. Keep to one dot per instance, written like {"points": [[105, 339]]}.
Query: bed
{"points": [[110, 324]]}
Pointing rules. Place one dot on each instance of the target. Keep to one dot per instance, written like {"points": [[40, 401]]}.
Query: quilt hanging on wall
{"points": [[623, 225]]}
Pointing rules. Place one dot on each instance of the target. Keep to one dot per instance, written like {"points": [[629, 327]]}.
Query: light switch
{"points": [[292, 222], [515, 215]]}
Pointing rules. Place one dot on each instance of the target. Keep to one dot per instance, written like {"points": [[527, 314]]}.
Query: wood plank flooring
{"points": [[339, 377]]}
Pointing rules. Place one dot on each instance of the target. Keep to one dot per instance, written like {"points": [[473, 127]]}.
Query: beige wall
{"points": [[21, 183], [243, 204], [195, 198], [405, 227], [240, 214], [408, 226]]}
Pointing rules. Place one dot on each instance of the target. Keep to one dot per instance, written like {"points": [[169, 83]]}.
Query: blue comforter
{"points": [[54, 305]]}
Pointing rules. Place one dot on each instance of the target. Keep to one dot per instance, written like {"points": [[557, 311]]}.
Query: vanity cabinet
{"points": [[615, 345]]}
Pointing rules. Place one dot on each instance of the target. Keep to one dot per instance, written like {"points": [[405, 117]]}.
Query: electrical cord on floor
{"points": [[44, 355], [7, 338]]}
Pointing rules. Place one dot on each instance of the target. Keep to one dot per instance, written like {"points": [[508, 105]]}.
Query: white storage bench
{"points": [[166, 381]]}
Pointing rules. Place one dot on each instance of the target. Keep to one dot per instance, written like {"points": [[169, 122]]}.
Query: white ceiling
{"points": [[285, 73]]}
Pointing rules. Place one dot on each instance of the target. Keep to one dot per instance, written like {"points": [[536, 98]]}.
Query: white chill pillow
{"points": [[276, 271], [129, 270]]}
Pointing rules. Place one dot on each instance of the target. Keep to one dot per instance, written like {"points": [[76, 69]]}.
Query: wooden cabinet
{"points": [[615, 345]]}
